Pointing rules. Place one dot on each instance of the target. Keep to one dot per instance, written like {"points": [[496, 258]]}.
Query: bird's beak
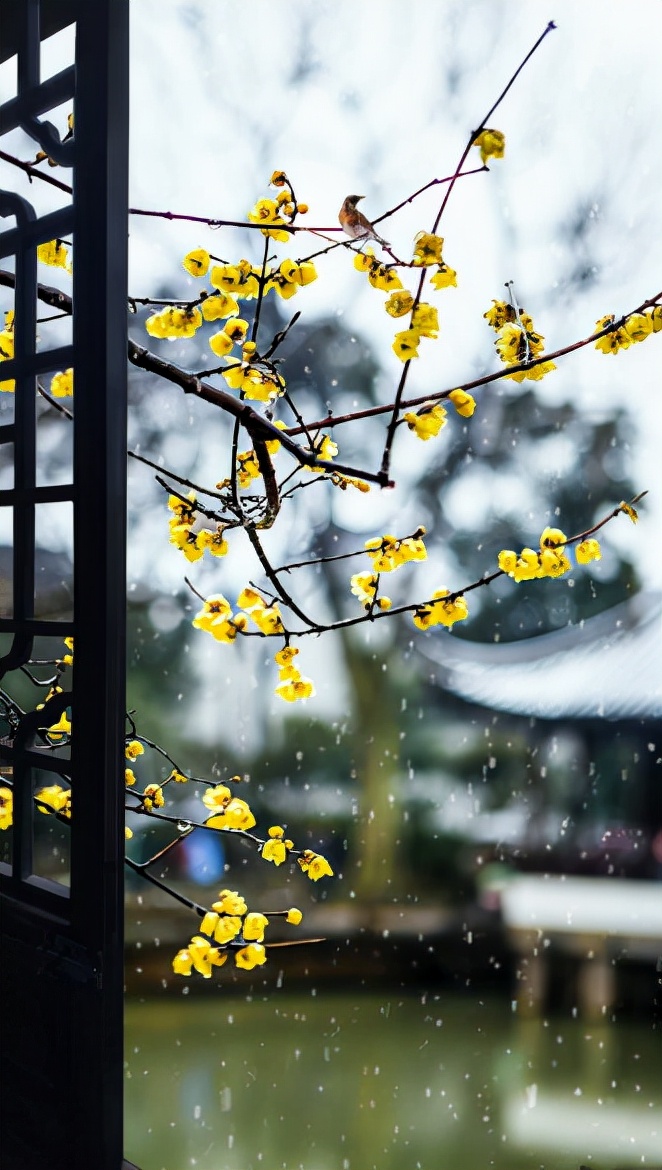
{"points": [[359, 197]]}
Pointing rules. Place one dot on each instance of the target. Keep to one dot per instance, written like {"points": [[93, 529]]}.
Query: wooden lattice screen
{"points": [[60, 889]]}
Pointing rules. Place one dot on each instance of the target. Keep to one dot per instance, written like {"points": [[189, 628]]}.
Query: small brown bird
{"points": [[355, 224]]}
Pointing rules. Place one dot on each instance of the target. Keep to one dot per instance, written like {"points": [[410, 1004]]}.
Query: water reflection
{"points": [[388, 1082]]}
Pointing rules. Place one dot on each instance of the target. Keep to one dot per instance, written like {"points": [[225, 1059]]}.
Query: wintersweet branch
{"points": [[334, 420]]}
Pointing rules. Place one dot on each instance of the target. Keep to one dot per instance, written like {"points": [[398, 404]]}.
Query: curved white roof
{"points": [[609, 666]]}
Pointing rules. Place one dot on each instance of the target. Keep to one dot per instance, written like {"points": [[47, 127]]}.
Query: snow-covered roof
{"points": [[608, 666]]}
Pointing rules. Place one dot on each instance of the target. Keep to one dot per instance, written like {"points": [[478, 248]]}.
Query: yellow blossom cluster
{"points": [[390, 552], [193, 544], [424, 320], [228, 811], [364, 586], [173, 322], [636, 327], [387, 553], [517, 341], [441, 610], [278, 213], [550, 560], [229, 924], [216, 616], [292, 686]]}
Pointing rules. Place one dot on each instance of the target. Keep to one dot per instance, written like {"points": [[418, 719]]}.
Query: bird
{"points": [[355, 224]]}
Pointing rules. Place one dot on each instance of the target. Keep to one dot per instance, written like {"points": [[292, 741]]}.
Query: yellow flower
{"points": [[174, 322], [230, 902], [219, 306], [444, 277], [629, 511], [182, 963], [197, 262], [220, 343], [440, 611], [7, 348], [62, 385], [364, 586], [306, 272], [427, 249], [153, 797], [587, 550], [638, 326], [257, 385], [405, 344], [507, 561], [274, 850], [426, 421], [248, 468], [253, 955], [216, 798], [294, 689], [236, 330], [249, 598], [178, 777], [6, 808], [55, 254], [268, 620], [60, 731], [133, 749], [464, 403], [294, 916], [278, 179], [314, 865], [551, 537], [203, 957], [215, 542], [533, 373], [240, 278], [129, 777], [55, 799], [611, 342], [492, 144], [128, 833], [425, 320], [216, 618], [500, 314], [268, 211], [254, 927], [399, 303], [553, 562], [381, 277], [227, 929], [656, 318], [236, 815]]}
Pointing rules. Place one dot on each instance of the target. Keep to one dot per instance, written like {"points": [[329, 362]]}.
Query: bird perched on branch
{"points": [[355, 224]]}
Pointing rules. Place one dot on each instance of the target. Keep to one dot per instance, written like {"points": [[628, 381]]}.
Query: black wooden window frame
{"points": [[62, 965]]}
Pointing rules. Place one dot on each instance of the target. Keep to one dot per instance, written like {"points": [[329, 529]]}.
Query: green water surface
{"points": [[323, 1081]]}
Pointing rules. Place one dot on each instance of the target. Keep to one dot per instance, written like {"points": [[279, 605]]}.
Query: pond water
{"points": [[323, 1081]]}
